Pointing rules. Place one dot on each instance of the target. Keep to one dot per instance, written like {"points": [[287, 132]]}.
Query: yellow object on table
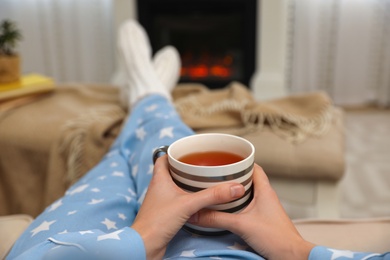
{"points": [[28, 84]]}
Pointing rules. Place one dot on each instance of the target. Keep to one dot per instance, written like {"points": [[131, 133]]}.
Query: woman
{"points": [[126, 208]]}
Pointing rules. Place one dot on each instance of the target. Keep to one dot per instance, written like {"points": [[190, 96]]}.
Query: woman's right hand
{"points": [[166, 207], [264, 224]]}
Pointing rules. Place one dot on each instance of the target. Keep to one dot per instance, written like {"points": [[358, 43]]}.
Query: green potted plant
{"points": [[9, 59]]}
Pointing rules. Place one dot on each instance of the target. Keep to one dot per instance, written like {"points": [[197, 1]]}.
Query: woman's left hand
{"points": [[167, 208]]}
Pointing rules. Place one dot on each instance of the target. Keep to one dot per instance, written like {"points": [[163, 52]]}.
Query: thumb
{"points": [[218, 194]]}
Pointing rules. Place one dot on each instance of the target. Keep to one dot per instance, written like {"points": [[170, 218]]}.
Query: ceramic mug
{"points": [[200, 161]]}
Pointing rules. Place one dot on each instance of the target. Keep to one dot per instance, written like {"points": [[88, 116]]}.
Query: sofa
{"points": [[51, 140], [364, 235]]}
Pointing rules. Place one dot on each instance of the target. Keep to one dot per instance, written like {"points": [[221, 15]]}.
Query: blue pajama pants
{"points": [[106, 200], [92, 220]]}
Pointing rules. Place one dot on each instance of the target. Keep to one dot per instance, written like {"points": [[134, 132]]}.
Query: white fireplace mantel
{"points": [[269, 79]]}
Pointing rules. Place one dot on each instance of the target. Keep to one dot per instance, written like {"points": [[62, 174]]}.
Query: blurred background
{"points": [[341, 47]]}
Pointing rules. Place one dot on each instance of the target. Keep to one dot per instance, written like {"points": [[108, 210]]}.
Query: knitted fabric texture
{"points": [[294, 118]]}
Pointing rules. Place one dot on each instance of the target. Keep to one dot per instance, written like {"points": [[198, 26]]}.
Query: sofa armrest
{"points": [[11, 227], [359, 235]]}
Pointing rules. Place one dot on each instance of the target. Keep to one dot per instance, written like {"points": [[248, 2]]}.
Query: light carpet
{"points": [[365, 189]]}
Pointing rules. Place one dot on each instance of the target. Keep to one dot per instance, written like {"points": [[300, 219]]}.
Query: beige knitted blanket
{"points": [[52, 141], [294, 118]]}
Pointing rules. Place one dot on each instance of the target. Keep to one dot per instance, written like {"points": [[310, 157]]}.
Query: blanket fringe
{"points": [[75, 133], [192, 105], [292, 127]]}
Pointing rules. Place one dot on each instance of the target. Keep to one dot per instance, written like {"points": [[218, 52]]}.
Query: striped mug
{"points": [[200, 161]]}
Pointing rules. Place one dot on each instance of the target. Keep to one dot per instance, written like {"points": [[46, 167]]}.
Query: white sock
{"points": [[167, 64], [135, 56]]}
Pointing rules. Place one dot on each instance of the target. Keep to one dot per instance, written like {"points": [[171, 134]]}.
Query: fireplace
{"points": [[216, 39]]}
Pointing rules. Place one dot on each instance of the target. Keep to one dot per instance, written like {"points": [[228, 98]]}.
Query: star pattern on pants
{"points": [[140, 133], [111, 197], [44, 226], [55, 205], [341, 253], [166, 132], [113, 235], [109, 224]]}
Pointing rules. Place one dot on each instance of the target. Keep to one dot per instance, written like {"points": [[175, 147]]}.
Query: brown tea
{"points": [[211, 158]]}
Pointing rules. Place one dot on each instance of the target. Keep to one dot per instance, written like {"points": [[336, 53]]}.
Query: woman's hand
{"points": [[264, 224], [167, 208]]}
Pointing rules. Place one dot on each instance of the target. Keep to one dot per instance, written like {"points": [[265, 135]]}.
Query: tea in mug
{"points": [[211, 158]]}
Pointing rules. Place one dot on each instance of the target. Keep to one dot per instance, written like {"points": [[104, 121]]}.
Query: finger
{"points": [[218, 194], [214, 219], [161, 171], [161, 167], [260, 179]]}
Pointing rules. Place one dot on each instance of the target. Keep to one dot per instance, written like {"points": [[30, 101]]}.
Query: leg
{"points": [[108, 197]]}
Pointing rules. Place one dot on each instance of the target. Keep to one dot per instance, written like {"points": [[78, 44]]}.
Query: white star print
{"points": [[341, 253], [86, 232], [94, 201], [114, 164], [72, 212], [113, 235], [79, 189], [131, 192], [95, 190], [141, 199], [151, 108], [118, 174], [151, 167], [112, 153], [134, 170], [188, 253], [55, 205], [128, 198], [109, 224], [237, 246], [64, 232], [122, 216], [102, 177], [42, 227], [140, 133], [167, 131]]}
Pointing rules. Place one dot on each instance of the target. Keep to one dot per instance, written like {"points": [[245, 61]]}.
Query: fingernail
{"points": [[235, 190]]}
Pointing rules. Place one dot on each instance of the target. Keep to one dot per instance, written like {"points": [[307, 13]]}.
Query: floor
{"points": [[365, 188]]}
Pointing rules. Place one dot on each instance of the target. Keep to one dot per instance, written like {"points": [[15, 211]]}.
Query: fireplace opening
{"points": [[216, 39]]}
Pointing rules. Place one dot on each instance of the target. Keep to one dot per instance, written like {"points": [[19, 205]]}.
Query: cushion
{"points": [[316, 158]]}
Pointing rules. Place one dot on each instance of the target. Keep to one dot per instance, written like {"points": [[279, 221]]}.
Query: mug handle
{"points": [[159, 151]]}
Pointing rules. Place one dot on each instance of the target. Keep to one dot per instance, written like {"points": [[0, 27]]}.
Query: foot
{"points": [[135, 57], [167, 64]]}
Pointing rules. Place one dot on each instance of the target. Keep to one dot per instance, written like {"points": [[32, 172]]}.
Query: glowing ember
{"points": [[206, 66]]}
